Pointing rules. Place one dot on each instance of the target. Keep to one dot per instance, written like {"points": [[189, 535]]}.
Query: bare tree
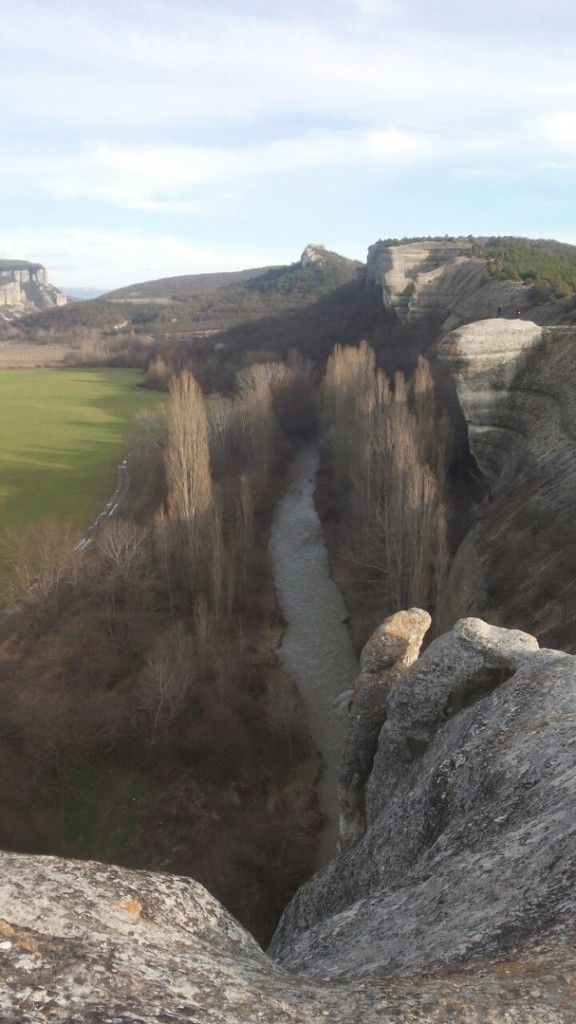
{"points": [[165, 683], [150, 427], [389, 448], [284, 708], [255, 393], [42, 561], [187, 452], [120, 543], [158, 373], [222, 430]]}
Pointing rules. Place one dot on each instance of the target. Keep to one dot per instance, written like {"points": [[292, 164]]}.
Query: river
{"points": [[316, 648]]}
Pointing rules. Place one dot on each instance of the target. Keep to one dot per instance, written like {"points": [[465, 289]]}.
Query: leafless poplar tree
{"points": [[389, 449], [187, 455]]}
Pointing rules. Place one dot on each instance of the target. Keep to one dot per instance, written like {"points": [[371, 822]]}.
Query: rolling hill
{"points": [[202, 303]]}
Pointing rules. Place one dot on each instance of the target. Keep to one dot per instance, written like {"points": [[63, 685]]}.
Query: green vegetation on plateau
{"points": [[549, 266], [63, 434]]}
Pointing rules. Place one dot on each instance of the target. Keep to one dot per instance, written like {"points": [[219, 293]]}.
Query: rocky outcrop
{"points": [[457, 905], [318, 256], [24, 288], [313, 253], [391, 649], [517, 565], [467, 855], [442, 281]]}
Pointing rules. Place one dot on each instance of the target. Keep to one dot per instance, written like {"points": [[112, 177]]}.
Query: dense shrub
{"points": [[548, 266]]}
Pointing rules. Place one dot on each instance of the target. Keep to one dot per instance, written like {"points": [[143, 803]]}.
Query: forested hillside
{"points": [[193, 304]]}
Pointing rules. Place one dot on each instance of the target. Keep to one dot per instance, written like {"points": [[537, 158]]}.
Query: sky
{"points": [[149, 138]]}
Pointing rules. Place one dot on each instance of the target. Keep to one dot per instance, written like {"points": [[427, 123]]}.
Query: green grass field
{"points": [[62, 435]]}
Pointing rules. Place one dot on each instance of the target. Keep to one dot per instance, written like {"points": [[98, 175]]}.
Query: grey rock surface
{"points": [[458, 905], [393, 646], [470, 849]]}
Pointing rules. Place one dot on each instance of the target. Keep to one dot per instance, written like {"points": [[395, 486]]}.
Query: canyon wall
{"points": [[454, 898], [508, 383], [517, 564]]}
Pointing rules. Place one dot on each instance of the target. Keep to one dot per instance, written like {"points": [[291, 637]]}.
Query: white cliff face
{"points": [[485, 360], [24, 288], [442, 280], [514, 382], [407, 273]]}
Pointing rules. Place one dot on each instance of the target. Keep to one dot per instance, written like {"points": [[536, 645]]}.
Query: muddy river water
{"points": [[316, 648]]}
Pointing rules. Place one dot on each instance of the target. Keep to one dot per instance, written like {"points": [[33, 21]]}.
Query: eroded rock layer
{"points": [[517, 565], [24, 288], [431, 279], [457, 904]]}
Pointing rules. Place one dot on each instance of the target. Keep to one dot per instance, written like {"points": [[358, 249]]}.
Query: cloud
{"points": [[180, 116], [205, 179], [560, 131], [128, 67], [374, 7], [189, 178], [108, 259]]}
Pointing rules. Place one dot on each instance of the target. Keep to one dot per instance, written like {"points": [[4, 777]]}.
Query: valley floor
{"points": [[63, 435]]}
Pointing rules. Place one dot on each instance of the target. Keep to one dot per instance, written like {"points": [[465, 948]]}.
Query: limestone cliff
{"points": [[24, 288], [515, 384], [458, 904], [442, 280]]}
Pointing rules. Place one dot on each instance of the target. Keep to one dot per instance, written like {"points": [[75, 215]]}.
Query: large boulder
{"points": [[458, 904], [391, 649]]}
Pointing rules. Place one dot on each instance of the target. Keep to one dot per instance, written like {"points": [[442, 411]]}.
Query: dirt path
{"points": [[111, 507], [316, 647]]}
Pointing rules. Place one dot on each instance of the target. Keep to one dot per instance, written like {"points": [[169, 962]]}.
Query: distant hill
{"points": [[397, 300], [201, 303], [186, 284], [408, 290]]}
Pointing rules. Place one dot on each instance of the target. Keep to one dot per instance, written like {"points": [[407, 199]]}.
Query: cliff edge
{"points": [[458, 903], [448, 281]]}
